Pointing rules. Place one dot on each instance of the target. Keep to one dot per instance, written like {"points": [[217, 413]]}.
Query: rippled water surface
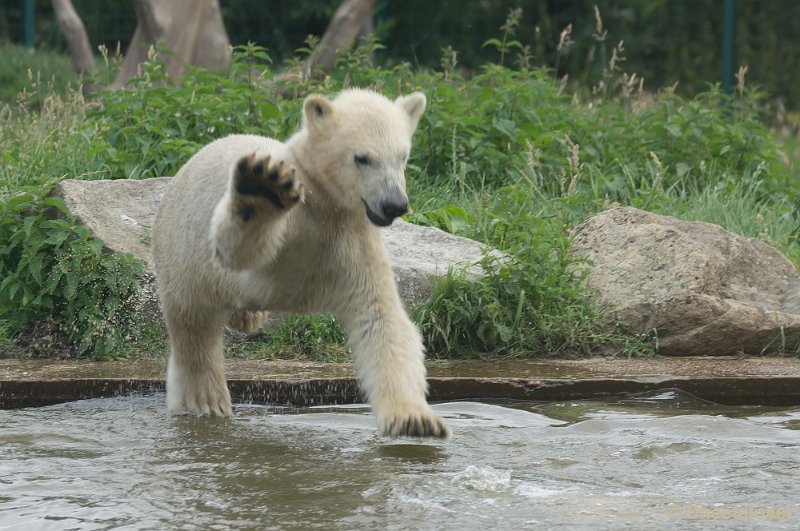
{"points": [[660, 461]]}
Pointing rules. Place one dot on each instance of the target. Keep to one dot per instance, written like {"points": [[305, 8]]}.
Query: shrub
{"points": [[53, 269]]}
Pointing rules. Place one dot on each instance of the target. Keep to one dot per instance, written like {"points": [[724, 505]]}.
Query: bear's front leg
{"points": [[249, 222], [196, 383], [389, 360]]}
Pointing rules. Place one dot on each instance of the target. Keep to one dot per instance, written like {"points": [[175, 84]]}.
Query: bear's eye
{"points": [[361, 160]]}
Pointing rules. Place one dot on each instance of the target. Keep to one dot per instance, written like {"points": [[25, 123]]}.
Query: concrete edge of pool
{"points": [[725, 380]]}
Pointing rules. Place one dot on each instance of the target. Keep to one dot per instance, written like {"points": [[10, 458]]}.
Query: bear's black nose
{"points": [[394, 209]]}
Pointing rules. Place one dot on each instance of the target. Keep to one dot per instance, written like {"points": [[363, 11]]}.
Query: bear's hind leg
{"points": [[247, 321], [196, 382]]}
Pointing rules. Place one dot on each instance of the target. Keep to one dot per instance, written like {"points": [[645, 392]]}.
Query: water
{"points": [[661, 461]]}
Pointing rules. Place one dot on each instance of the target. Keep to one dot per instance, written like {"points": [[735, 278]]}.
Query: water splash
{"points": [[483, 478]]}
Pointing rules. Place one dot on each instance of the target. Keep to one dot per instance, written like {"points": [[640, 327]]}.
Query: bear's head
{"points": [[357, 146]]}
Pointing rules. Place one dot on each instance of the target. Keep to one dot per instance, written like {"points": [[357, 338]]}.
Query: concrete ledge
{"points": [[762, 381]]}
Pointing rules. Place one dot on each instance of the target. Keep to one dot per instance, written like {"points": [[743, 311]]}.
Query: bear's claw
{"points": [[424, 424], [260, 178], [208, 399]]}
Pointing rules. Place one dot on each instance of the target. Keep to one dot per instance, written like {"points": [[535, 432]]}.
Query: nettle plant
{"points": [[55, 270], [158, 123]]}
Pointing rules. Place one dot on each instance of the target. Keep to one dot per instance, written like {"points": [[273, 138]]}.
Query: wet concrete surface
{"points": [[726, 380]]}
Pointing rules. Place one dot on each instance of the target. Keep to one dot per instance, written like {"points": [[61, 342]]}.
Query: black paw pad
{"points": [[256, 177]]}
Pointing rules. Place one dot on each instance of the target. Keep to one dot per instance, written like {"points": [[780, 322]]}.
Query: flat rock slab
{"points": [[726, 380], [700, 289], [121, 214]]}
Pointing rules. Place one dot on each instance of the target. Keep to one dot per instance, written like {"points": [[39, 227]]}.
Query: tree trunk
{"points": [[213, 48], [191, 30], [341, 33], [194, 33], [77, 40]]}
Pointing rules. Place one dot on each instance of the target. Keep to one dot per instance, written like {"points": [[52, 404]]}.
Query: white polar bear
{"points": [[251, 224]]}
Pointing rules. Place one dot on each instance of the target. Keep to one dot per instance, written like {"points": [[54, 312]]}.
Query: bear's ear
{"points": [[316, 110], [413, 105]]}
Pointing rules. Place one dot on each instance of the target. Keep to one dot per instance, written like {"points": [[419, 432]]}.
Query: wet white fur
{"points": [[322, 255]]}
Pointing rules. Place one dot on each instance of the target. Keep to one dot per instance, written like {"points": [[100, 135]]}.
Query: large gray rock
{"points": [[121, 213], [704, 290]]}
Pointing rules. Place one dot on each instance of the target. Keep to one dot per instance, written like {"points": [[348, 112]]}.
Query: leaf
{"points": [[56, 238], [673, 130], [53, 279], [57, 203], [505, 126], [10, 286], [24, 200], [56, 223], [455, 219], [70, 290], [35, 267]]}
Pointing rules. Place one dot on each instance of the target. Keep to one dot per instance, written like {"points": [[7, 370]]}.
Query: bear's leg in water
{"points": [[196, 382], [389, 361]]}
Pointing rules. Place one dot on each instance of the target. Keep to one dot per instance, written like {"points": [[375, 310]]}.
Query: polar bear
{"points": [[250, 224]]}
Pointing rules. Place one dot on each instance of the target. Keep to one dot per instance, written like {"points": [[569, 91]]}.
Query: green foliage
{"points": [[531, 301], [32, 76], [54, 269], [509, 29], [51, 269], [508, 156], [154, 128], [450, 218], [44, 138], [667, 42], [311, 337]]}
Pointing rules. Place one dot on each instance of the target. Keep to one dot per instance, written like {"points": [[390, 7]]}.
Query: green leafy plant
{"points": [[509, 29], [451, 218], [54, 269], [508, 156], [154, 127]]}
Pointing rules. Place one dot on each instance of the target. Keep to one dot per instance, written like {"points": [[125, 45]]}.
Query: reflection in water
{"points": [[662, 460]]}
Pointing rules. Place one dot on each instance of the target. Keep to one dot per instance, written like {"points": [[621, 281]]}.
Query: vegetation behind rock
{"points": [[507, 155]]}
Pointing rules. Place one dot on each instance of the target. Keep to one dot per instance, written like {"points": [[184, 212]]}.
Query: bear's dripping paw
{"points": [[418, 422], [200, 402], [195, 385], [265, 178]]}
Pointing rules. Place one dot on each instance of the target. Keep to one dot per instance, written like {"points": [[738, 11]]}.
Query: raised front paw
{"points": [[413, 422], [261, 178]]}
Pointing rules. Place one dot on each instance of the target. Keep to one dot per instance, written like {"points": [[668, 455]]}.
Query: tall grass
{"points": [[22, 71]]}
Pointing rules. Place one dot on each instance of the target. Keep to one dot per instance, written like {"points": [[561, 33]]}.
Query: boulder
{"points": [[121, 213], [701, 289]]}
